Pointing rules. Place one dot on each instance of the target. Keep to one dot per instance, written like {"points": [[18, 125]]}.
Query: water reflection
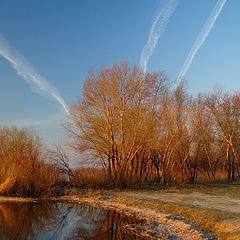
{"points": [[46, 220]]}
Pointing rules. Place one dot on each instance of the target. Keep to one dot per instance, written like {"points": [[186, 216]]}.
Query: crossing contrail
{"points": [[201, 38], [26, 71], [157, 29]]}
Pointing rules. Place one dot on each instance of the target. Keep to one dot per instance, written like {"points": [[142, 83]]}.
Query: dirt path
{"points": [[195, 199]]}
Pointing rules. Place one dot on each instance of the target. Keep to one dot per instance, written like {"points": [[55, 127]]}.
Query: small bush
{"points": [[21, 170]]}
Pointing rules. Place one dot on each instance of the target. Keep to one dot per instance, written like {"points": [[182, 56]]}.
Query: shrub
{"points": [[21, 170]]}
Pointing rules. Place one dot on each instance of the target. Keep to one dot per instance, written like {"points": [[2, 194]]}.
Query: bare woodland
{"points": [[135, 129], [141, 130]]}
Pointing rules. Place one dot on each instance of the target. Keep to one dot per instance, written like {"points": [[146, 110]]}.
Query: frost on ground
{"points": [[224, 199], [157, 225], [195, 199]]}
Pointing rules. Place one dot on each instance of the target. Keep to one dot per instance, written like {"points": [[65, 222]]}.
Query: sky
{"points": [[63, 39]]}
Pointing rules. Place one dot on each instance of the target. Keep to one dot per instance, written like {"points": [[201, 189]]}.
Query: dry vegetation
{"points": [[141, 131], [136, 131], [22, 171]]}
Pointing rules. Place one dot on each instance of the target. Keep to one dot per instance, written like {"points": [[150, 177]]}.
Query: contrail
{"points": [[157, 29], [201, 38], [26, 71]]}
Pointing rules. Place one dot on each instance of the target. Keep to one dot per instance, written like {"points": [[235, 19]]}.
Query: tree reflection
{"points": [[101, 224], [48, 220], [23, 220]]}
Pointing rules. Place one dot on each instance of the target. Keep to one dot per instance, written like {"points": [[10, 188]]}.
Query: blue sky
{"points": [[63, 39]]}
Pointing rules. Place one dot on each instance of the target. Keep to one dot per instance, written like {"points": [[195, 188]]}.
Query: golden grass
{"points": [[90, 178]]}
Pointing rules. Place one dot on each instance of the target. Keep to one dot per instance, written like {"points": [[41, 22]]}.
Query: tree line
{"points": [[139, 129]]}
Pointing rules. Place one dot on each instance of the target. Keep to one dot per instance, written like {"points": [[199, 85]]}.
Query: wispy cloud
{"points": [[48, 120], [201, 38], [156, 31], [27, 72]]}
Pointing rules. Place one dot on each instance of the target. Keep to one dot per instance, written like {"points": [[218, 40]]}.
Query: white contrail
{"points": [[26, 71], [157, 29], [201, 38]]}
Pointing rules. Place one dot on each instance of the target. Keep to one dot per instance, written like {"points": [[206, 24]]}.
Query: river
{"points": [[62, 221]]}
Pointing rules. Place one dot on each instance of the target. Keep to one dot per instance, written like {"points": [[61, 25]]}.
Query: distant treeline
{"points": [[137, 129]]}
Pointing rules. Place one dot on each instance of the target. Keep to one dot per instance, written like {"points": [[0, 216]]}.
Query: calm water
{"points": [[46, 220]]}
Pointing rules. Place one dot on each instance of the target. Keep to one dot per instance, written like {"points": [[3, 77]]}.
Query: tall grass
{"points": [[94, 178]]}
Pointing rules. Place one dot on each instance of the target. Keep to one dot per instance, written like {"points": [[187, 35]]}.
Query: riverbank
{"points": [[211, 207], [157, 225], [215, 208], [186, 213]]}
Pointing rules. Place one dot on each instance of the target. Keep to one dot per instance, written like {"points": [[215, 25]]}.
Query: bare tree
{"points": [[203, 155], [58, 156], [116, 116], [225, 110]]}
